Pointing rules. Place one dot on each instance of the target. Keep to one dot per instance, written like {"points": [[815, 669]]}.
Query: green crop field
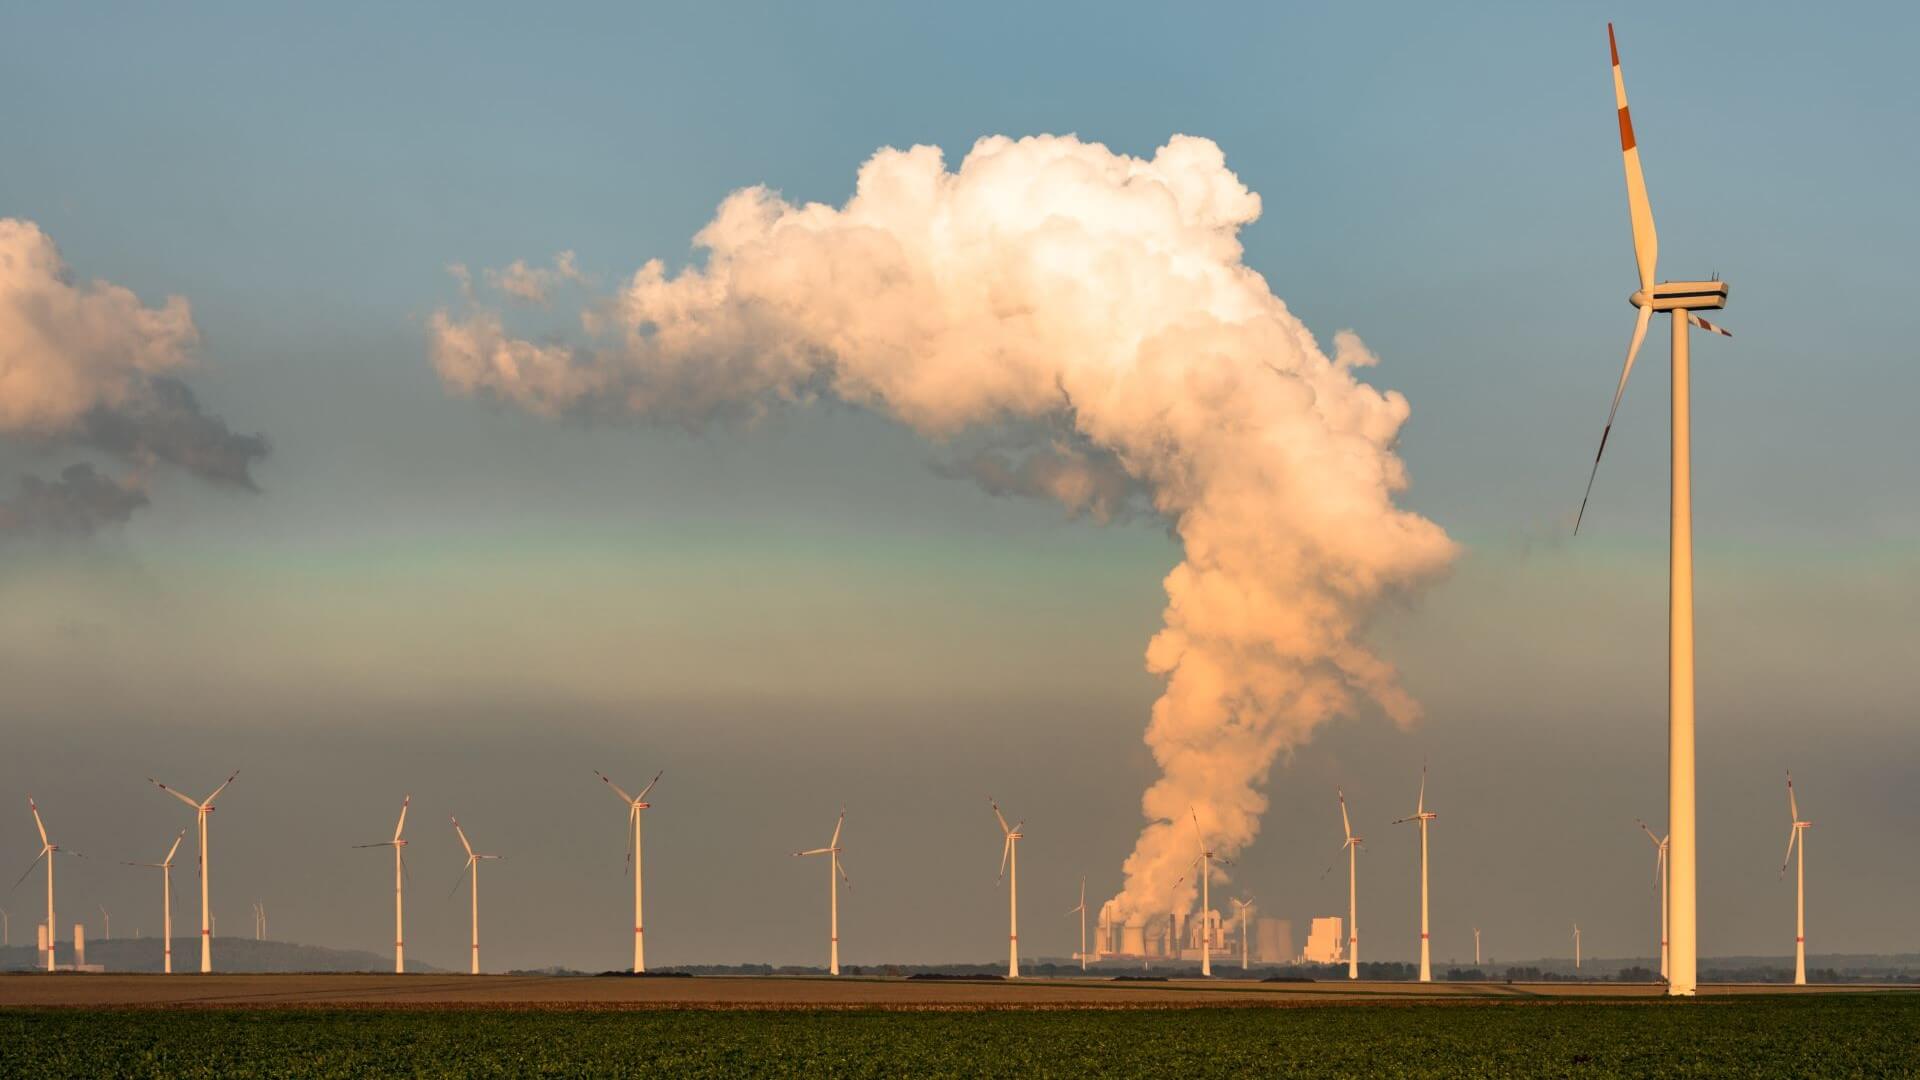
{"points": [[1837, 1035]]}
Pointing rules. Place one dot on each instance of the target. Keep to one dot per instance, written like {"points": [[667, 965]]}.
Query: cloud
{"points": [[535, 284], [1052, 282], [90, 367]]}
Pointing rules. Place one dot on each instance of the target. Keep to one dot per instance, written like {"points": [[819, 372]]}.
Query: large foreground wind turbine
{"points": [[635, 804], [1246, 924], [1422, 815], [1660, 871], [165, 866], [473, 868], [834, 875], [399, 847], [201, 809], [1010, 869], [48, 849], [1205, 866], [1081, 910], [1679, 299], [1797, 841]]}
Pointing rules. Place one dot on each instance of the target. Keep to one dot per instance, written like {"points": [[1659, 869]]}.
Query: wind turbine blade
{"points": [[463, 838], [617, 789], [402, 824], [1649, 832], [835, 842], [463, 873], [1197, 837], [380, 843], [1633, 349], [37, 823], [182, 835], [1345, 825], [1006, 850], [813, 851], [837, 865], [1421, 806], [1793, 806], [1793, 834], [1707, 326], [642, 797], [30, 866], [1646, 242], [221, 788], [998, 816], [633, 812], [174, 793]]}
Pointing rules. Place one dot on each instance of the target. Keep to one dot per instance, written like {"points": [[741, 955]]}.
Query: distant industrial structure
{"points": [[1179, 937]]}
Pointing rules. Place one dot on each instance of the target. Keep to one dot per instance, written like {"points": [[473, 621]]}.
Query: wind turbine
{"points": [[835, 873], [1422, 815], [1797, 839], [6, 928], [259, 920], [1352, 847], [1245, 925], [201, 810], [1576, 946], [473, 865], [1660, 869], [635, 804], [1081, 910], [1679, 299], [165, 866], [106, 920], [1010, 860], [48, 849], [1476, 946], [399, 847], [1205, 863]]}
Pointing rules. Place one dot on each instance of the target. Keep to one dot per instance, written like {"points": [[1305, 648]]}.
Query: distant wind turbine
{"points": [[1352, 848], [1660, 871], [1422, 815], [106, 922], [165, 866], [399, 847], [6, 928], [48, 849], [1246, 924], [259, 921], [473, 868], [1010, 861], [635, 804], [1081, 910], [1576, 946], [1476, 946], [1797, 841], [1205, 865], [835, 873], [201, 810], [1679, 299]]}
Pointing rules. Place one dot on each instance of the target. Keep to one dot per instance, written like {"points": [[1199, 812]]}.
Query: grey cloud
{"points": [[169, 426], [81, 501]]}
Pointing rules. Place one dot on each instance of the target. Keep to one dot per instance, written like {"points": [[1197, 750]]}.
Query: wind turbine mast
{"points": [[1797, 843], [635, 804], [1010, 867], [1422, 815], [1679, 300]]}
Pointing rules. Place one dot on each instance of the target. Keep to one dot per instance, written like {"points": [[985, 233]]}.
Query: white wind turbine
{"points": [[1246, 924], [1660, 870], [473, 867], [6, 928], [106, 922], [399, 847], [1476, 946], [1081, 910], [259, 921], [1797, 841], [1352, 848], [201, 809], [635, 804], [1010, 861], [835, 873], [165, 866], [1422, 815], [1205, 866], [48, 849], [1576, 946], [1679, 299]]}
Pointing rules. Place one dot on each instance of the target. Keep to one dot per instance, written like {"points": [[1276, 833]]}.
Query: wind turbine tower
{"points": [[835, 873], [1246, 926], [165, 866], [201, 809], [1010, 869], [399, 847], [473, 868], [635, 804], [48, 851], [1422, 815], [1205, 865], [1081, 910], [1576, 946], [1352, 847], [1797, 842], [1680, 300]]}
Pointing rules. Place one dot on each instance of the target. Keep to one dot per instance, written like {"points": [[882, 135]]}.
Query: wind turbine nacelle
{"points": [[1682, 296]]}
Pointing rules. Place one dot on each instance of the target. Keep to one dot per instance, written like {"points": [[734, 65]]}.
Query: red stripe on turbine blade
{"points": [[1612, 47], [1626, 130]]}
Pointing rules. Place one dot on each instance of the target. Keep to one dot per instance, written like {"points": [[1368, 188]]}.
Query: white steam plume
{"points": [[1052, 284]]}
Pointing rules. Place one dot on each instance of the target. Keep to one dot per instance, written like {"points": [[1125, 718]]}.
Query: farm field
{"points": [[1777, 1035]]}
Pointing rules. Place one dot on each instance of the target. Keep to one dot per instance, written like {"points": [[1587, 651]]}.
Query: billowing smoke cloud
{"points": [[91, 367], [1054, 284]]}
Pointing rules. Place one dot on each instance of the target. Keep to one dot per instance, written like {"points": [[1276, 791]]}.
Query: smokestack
{"points": [[1088, 315]]}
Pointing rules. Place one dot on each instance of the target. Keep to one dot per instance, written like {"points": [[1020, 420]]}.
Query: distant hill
{"points": [[229, 954]]}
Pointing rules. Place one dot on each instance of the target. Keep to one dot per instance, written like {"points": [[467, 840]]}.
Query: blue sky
{"points": [[1445, 183]]}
